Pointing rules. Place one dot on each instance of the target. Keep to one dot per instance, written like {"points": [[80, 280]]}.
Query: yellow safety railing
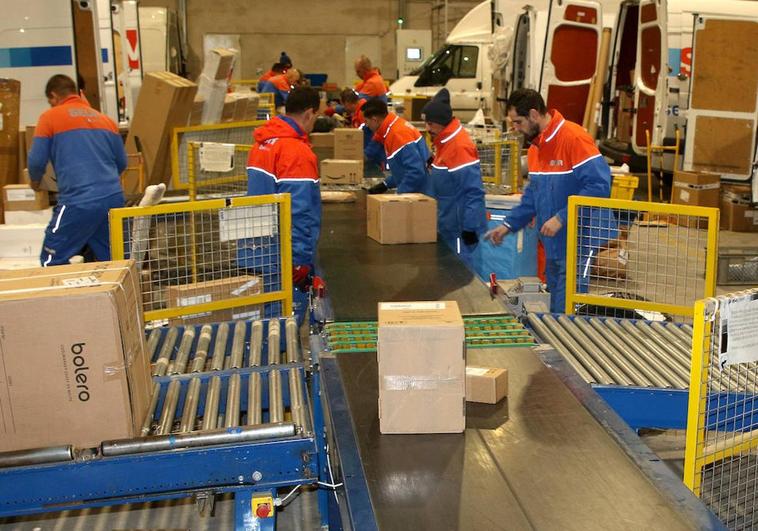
{"points": [[205, 182], [639, 256], [721, 462], [229, 133], [659, 150], [208, 261], [500, 160]]}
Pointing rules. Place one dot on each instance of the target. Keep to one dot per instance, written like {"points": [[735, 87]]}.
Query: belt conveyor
{"points": [[551, 456]]}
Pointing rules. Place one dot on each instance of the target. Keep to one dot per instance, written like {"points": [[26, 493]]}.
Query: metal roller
{"points": [[254, 399], [596, 351], [238, 346], [274, 355], [232, 413], [618, 357], [219, 347], [189, 412], [166, 421], [201, 351], [662, 355], [210, 416], [161, 365], [290, 329], [297, 406], [275, 397], [581, 355], [549, 337], [180, 363], [684, 336], [256, 344], [675, 353], [671, 378], [37, 456], [152, 342], [193, 440], [148, 422], [629, 354]]}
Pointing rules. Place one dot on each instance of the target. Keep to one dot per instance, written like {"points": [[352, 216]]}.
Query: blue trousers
{"points": [[74, 226], [555, 271]]}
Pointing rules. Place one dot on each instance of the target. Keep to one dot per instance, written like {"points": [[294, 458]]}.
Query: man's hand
{"points": [[378, 189], [551, 227], [301, 277], [497, 234], [34, 185]]}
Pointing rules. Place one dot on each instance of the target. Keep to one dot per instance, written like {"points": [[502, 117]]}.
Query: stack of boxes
{"points": [[213, 84], [346, 166]]}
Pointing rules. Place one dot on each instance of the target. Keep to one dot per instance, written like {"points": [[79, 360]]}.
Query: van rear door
{"points": [[722, 115], [650, 80], [570, 58]]}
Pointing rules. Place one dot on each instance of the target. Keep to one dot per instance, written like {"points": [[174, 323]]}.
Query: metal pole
{"points": [[148, 422], [219, 347], [165, 356], [293, 353], [37, 456], [596, 370], [192, 440], [549, 337]]}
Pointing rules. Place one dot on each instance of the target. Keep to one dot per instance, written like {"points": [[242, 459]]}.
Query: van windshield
{"points": [[452, 61]]}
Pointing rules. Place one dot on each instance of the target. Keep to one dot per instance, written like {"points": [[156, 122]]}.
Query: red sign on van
{"points": [[685, 67], [132, 52]]}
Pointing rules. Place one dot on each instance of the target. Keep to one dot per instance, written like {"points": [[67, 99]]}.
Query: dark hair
{"points": [[524, 100], [61, 85], [301, 99], [348, 95], [374, 107], [278, 67]]}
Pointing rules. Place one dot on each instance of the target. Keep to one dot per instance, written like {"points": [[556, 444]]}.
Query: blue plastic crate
{"points": [[317, 80]]}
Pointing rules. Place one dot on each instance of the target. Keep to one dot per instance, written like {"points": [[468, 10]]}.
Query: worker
{"points": [[275, 70], [352, 104], [404, 146], [88, 157], [372, 83], [285, 60], [280, 86], [456, 176], [562, 161], [282, 161]]}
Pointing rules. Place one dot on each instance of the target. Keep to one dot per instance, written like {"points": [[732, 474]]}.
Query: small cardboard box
{"points": [[211, 291], [80, 375], [737, 212], [422, 362], [22, 197], [335, 171], [348, 144], [405, 218], [486, 385], [322, 140], [29, 217], [696, 189], [625, 116], [219, 63], [18, 241]]}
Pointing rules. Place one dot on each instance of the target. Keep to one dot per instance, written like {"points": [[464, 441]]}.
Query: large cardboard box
{"points": [[487, 385], [335, 171], [696, 189], [737, 212], [211, 291], [21, 240], [213, 93], [10, 107], [348, 143], [405, 218], [165, 101], [22, 197], [29, 217], [422, 361], [75, 367], [219, 63]]}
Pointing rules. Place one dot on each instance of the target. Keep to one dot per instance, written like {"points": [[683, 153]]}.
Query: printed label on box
{"points": [[244, 287], [20, 194], [192, 301], [412, 306], [80, 281], [684, 195]]}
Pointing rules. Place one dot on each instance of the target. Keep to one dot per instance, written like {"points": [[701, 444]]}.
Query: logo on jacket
{"points": [[557, 162]]}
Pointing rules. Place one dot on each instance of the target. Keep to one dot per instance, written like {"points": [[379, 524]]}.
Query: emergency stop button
{"points": [[263, 510], [263, 506]]}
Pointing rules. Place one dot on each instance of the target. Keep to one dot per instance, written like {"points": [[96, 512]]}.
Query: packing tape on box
{"points": [[418, 383], [711, 186], [738, 199]]}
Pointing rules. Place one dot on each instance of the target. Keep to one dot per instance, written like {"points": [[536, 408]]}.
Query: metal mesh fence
{"points": [[226, 133], [738, 265], [633, 259], [500, 157], [217, 170], [209, 261], [721, 463]]}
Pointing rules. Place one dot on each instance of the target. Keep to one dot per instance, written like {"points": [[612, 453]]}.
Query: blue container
{"points": [[515, 257], [317, 80]]}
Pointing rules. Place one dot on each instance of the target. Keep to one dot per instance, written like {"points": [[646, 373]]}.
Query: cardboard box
{"points": [[486, 385], [696, 189], [737, 212], [48, 182], [165, 101], [29, 217], [213, 93], [75, 367], [335, 171], [348, 144], [21, 240], [10, 107], [422, 362], [196, 114], [405, 218], [214, 290], [219, 63], [625, 116], [22, 197], [322, 140]]}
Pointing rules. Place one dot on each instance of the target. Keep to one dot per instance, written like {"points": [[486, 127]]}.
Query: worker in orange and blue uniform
{"points": [[88, 157], [372, 83], [276, 69], [563, 161], [282, 161], [353, 105], [456, 176], [280, 86], [404, 146]]}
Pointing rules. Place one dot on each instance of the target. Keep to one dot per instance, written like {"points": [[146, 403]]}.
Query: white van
{"points": [[688, 65]]}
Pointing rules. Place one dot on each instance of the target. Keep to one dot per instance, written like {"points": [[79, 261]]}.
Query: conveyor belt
{"points": [[361, 272]]}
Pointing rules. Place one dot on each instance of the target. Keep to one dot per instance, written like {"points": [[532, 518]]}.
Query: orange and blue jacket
{"points": [[85, 148], [372, 150], [282, 162], [279, 87], [372, 86], [406, 155], [261, 80], [563, 161], [457, 182]]}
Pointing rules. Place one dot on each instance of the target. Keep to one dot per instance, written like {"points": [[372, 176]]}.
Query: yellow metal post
{"points": [[649, 152], [116, 222], [498, 163], [698, 394], [571, 253]]}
